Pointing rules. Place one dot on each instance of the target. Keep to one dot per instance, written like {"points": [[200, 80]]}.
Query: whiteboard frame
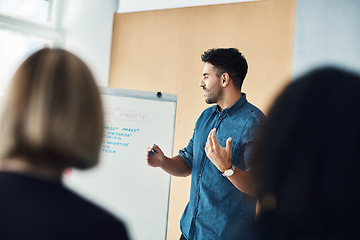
{"points": [[164, 97]]}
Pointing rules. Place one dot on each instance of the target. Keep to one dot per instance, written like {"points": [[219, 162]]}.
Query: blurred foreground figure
{"points": [[308, 160], [51, 119]]}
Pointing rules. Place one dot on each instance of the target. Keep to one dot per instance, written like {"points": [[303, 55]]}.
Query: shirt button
{"points": [[200, 175]]}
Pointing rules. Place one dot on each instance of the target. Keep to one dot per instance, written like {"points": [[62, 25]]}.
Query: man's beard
{"points": [[212, 96]]}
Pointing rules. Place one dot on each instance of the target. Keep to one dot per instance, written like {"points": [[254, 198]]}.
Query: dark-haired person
{"points": [[51, 119], [307, 160], [221, 195]]}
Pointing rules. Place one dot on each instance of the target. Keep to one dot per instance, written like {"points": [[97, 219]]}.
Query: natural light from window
{"points": [[35, 10], [14, 48], [24, 27]]}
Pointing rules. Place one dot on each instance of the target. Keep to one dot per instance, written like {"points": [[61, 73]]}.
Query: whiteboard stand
{"points": [[122, 182]]}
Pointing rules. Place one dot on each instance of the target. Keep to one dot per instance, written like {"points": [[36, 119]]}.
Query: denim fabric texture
{"points": [[216, 206]]}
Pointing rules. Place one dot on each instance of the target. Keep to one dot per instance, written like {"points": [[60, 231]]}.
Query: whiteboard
{"points": [[122, 182]]}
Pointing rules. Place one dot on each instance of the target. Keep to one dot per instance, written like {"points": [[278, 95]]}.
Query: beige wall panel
{"points": [[160, 51]]}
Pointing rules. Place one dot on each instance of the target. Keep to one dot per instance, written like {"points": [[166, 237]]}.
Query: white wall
{"points": [[146, 5], [326, 32], [88, 32]]}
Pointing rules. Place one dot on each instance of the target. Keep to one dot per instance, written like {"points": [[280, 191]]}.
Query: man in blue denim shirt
{"points": [[217, 156]]}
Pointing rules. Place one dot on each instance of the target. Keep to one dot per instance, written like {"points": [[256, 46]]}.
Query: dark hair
{"points": [[228, 60], [307, 157]]}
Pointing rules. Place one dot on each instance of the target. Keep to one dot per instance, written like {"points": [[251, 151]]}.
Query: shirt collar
{"points": [[231, 110]]}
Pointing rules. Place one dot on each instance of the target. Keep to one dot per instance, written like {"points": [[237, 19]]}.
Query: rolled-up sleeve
{"points": [[188, 152]]}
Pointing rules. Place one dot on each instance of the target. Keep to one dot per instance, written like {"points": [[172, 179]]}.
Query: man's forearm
{"points": [[176, 166], [243, 181]]}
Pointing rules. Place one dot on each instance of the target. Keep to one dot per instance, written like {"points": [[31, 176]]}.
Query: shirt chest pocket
{"points": [[236, 153], [222, 142]]}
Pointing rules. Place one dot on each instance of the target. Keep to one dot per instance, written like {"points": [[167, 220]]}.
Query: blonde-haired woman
{"points": [[51, 119]]}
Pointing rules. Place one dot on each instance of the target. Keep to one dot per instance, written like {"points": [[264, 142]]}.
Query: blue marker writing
{"points": [[152, 151]]}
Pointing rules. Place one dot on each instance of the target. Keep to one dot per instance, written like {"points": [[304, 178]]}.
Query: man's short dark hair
{"points": [[229, 60]]}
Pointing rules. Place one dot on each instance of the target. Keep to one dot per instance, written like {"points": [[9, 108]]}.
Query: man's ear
{"points": [[225, 79]]}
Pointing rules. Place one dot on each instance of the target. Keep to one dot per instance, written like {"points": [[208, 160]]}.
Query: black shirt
{"points": [[32, 208]]}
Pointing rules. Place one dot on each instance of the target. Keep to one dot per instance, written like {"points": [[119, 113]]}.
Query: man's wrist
{"points": [[225, 167], [228, 172]]}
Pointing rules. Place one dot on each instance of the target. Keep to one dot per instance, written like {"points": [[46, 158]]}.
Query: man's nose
{"points": [[202, 83]]}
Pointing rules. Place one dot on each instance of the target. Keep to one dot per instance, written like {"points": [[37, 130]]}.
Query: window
{"points": [[35, 10], [25, 26], [14, 48]]}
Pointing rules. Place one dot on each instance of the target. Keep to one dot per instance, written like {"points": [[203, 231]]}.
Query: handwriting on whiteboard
{"points": [[117, 137], [118, 115]]}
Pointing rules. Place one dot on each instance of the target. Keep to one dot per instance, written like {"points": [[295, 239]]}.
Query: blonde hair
{"points": [[52, 113]]}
